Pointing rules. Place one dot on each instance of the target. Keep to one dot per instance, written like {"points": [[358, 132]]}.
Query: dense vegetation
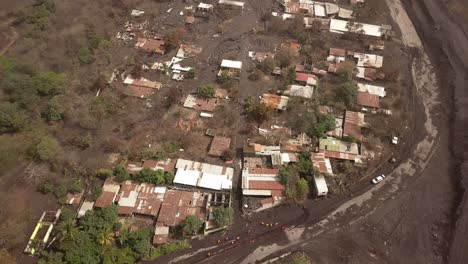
{"points": [[98, 237]]}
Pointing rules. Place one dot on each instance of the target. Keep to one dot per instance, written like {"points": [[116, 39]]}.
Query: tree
{"points": [[260, 113], [191, 225], [224, 216], [121, 173], [225, 78], [302, 189], [85, 56], [12, 118], [326, 123], [105, 238], [283, 58], [291, 75], [267, 65], [104, 173], [347, 93], [49, 83], [115, 255], [46, 149], [139, 242], [55, 110], [169, 177], [151, 176], [191, 74], [284, 174], [304, 165], [206, 91], [346, 71]]}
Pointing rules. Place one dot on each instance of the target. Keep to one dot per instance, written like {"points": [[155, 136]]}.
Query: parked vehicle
{"points": [[378, 179]]}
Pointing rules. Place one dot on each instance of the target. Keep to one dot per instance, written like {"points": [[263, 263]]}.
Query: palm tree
{"points": [[105, 238], [67, 230]]}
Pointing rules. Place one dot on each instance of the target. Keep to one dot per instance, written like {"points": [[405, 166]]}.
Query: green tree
{"points": [[104, 173], [121, 173], [304, 165], [139, 242], [191, 74], [191, 225], [12, 118], [291, 75], [49, 83], [85, 56], [151, 176], [284, 174], [225, 78], [55, 110], [302, 189], [46, 149], [267, 66], [115, 255], [206, 91], [325, 123], [347, 93], [169, 177], [224, 216], [105, 238], [346, 71], [260, 113]]}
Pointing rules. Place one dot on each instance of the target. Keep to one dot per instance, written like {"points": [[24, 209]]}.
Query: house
{"points": [[189, 20], [149, 200], [345, 14], [343, 26], [203, 175], [110, 189], [306, 79], [219, 145], [338, 149], [320, 185], [232, 67], [371, 89], [368, 60], [199, 103], [353, 123], [278, 102], [85, 207], [74, 198], [300, 91], [262, 183], [142, 82], [188, 51], [127, 198], [336, 55], [291, 45], [369, 74], [291, 7], [203, 10], [260, 56], [232, 5], [157, 46], [368, 100], [321, 163], [176, 207], [253, 149]]}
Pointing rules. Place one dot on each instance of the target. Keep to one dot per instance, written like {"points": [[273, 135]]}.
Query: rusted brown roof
{"points": [[368, 100], [105, 199]]}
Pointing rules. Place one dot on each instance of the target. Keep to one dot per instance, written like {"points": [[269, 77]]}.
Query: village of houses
{"points": [[199, 186]]}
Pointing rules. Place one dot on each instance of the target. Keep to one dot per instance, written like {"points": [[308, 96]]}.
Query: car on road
{"points": [[378, 179]]}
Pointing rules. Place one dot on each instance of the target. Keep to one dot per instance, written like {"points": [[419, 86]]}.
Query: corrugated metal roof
{"points": [[231, 64]]}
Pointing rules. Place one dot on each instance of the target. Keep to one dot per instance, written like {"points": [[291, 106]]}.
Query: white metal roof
{"points": [[230, 2], [300, 91], [256, 192], [130, 200], [187, 177], [86, 206], [205, 6], [319, 10], [204, 167], [231, 64], [321, 184], [372, 89], [215, 182], [341, 26]]}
